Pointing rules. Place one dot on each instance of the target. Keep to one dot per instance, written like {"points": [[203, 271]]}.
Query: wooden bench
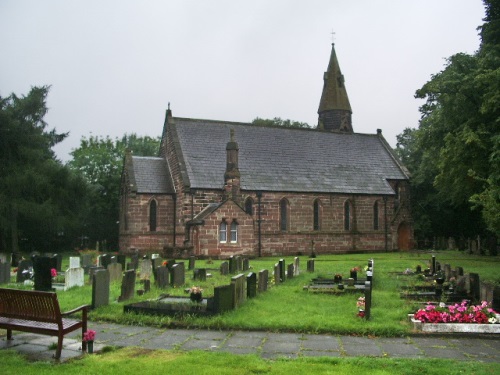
{"points": [[38, 312]]}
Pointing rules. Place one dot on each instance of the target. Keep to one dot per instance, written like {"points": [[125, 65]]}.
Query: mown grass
{"points": [[287, 307]]}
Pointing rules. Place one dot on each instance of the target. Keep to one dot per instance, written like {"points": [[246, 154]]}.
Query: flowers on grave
{"points": [[337, 278], [360, 304], [165, 263], [195, 294], [408, 271], [53, 272], [195, 290], [89, 335], [457, 313]]}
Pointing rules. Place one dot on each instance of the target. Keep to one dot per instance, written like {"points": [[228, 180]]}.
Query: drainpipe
{"points": [[174, 197], [259, 221], [385, 226]]}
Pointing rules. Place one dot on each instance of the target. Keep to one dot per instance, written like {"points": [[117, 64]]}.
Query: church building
{"points": [[223, 188]]}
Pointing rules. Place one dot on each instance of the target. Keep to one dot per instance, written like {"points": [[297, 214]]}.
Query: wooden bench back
{"points": [[30, 305]]}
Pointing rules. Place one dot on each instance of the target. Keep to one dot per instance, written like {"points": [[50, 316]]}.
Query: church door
{"points": [[404, 236]]}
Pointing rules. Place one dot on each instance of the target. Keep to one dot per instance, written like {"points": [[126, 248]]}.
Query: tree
{"points": [[36, 190], [279, 122], [99, 160]]}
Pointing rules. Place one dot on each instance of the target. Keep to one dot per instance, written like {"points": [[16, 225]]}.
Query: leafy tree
{"points": [[37, 193], [454, 155], [279, 122], [99, 160]]}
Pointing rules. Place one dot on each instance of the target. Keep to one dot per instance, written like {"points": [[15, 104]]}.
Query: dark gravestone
{"points": [[170, 263], [289, 271], [4, 273], [239, 289], [239, 263], [191, 264], [23, 270], [475, 287], [232, 265], [105, 260], [246, 264], [92, 271], [177, 277], [460, 271], [461, 286], [100, 288], [128, 286], [57, 261], [42, 273], [200, 274], [224, 268], [368, 299], [146, 284], [86, 262], [15, 259], [122, 259], [263, 280], [353, 274], [433, 265], [134, 261], [251, 285], [282, 270], [310, 265], [447, 271], [223, 298], [277, 272], [162, 277], [495, 303]]}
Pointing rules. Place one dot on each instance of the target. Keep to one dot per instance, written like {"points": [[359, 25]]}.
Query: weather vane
{"points": [[333, 36]]}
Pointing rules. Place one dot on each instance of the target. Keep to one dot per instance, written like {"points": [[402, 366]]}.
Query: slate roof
{"points": [[151, 175], [286, 159]]}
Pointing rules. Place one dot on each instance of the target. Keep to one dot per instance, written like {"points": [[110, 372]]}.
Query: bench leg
{"points": [[59, 346], [9, 334]]}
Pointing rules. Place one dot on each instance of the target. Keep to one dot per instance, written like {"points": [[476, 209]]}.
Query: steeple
{"points": [[334, 108]]}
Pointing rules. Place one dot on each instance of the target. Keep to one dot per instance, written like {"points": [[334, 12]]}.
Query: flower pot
{"points": [[90, 347], [196, 297]]}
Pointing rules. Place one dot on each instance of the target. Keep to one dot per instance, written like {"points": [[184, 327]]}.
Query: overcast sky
{"points": [[115, 65]]}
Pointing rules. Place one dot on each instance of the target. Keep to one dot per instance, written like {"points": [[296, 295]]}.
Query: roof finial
{"points": [[333, 36], [168, 105]]}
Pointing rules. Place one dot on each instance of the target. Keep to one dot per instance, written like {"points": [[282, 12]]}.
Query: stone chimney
{"points": [[232, 174]]}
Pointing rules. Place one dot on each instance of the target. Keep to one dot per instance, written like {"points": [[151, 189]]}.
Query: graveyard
{"points": [[290, 294]]}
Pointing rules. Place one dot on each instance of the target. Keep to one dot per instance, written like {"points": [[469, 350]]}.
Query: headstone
{"points": [[98, 262], [24, 268], [42, 273], [145, 269], [310, 265], [92, 270], [289, 271], [3, 258], [368, 299], [146, 284], [128, 285], [277, 273], [86, 261], [232, 264], [177, 276], [263, 280], [223, 298], [4, 273], [251, 285], [296, 266], [433, 265], [134, 261], [350, 281], [170, 263], [15, 259], [461, 286], [282, 270], [239, 289], [162, 277], [495, 303], [475, 287], [200, 274], [447, 271], [460, 271], [74, 262], [57, 259], [239, 263], [191, 264], [122, 259], [74, 277], [105, 260], [155, 256], [224, 268], [115, 272], [369, 276], [245, 264], [100, 288]]}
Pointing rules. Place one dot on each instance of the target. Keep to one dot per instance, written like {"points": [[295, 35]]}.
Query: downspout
{"points": [[174, 197], [259, 221], [385, 225]]}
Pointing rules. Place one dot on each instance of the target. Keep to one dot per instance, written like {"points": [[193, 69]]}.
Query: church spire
{"points": [[334, 108]]}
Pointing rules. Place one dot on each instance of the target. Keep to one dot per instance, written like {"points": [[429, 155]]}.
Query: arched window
{"points": [[284, 215], [347, 215], [316, 215], [152, 216], [223, 232], [249, 206], [234, 232], [375, 216]]}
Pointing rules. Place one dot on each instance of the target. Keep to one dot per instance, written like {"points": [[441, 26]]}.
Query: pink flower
{"points": [[89, 335], [53, 272]]}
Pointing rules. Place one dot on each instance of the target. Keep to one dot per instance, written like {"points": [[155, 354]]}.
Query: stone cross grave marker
{"points": [[100, 288]]}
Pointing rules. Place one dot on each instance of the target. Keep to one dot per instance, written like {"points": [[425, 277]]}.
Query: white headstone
{"points": [[74, 277], [74, 262]]}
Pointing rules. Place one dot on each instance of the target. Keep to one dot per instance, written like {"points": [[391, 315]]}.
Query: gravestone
{"points": [[475, 287], [177, 276], [296, 266], [146, 284], [350, 282], [162, 277], [224, 268], [24, 268], [223, 298], [105, 260], [369, 276], [460, 271], [368, 299], [145, 269], [4, 273], [92, 270], [192, 262], [74, 277], [86, 262], [289, 272], [74, 262], [128, 285], [100, 288], [170, 263], [495, 303], [447, 271], [461, 286], [15, 259], [57, 261], [122, 259], [200, 274], [282, 270], [115, 272], [433, 265], [3, 258], [353, 274], [251, 285], [245, 264], [232, 264], [263, 280], [239, 263], [310, 265], [42, 273], [134, 261], [239, 289], [277, 272]]}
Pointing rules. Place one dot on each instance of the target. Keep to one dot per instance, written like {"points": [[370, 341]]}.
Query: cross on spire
{"points": [[333, 36]]}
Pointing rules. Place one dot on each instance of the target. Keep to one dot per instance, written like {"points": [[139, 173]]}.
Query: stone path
{"points": [[265, 344]]}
